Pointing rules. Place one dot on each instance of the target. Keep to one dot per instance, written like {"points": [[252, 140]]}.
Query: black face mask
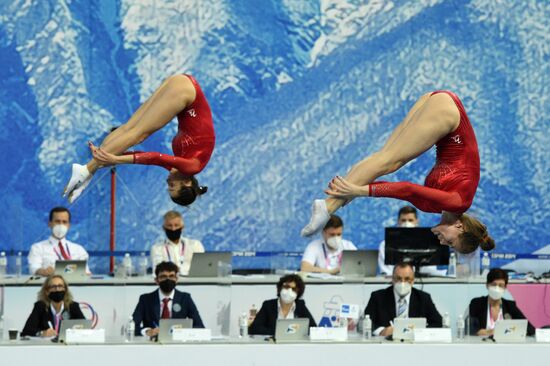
{"points": [[173, 235], [167, 286], [56, 296]]}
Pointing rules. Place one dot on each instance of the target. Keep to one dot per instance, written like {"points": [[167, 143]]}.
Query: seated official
{"points": [[164, 303], [287, 305], [55, 303], [324, 255], [485, 311], [400, 300], [175, 248]]}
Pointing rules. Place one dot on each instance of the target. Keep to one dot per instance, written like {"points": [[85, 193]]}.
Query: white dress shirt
{"points": [[318, 254], [44, 253], [180, 253], [290, 314], [396, 300]]}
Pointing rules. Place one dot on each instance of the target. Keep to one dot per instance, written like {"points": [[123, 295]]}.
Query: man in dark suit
{"points": [[400, 300], [164, 303]]}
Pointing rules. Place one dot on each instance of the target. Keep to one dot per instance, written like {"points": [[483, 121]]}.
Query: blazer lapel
{"points": [[390, 303], [414, 305], [156, 305], [483, 316]]}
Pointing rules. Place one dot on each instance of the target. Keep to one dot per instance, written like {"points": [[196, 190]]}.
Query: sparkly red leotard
{"points": [[194, 142], [452, 182]]}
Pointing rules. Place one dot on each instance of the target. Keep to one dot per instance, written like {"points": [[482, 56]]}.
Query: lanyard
{"points": [[167, 249], [327, 262], [58, 317], [59, 256]]}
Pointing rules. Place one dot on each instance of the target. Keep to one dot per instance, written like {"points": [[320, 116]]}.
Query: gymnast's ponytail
{"points": [[475, 235]]}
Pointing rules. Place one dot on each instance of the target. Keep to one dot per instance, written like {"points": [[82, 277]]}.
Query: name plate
{"points": [[191, 335], [431, 335], [85, 336], [542, 335], [328, 334]]}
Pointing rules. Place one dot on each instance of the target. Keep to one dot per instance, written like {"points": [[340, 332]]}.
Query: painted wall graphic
{"points": [[300, 90]]}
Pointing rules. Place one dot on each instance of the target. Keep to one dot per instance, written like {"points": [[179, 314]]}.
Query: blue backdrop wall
{"points": [[300, 90]]}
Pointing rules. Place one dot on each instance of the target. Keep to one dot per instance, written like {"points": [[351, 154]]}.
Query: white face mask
{"points": [[59, 231], [334, 242], [495, 292], [407, 224], [402, 288], [288, 296]]}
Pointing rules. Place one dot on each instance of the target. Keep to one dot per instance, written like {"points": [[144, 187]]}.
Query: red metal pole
{"points": [[113, 215]]}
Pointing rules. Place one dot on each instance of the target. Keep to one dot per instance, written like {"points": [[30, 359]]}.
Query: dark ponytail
{"points": [[188, 195]]}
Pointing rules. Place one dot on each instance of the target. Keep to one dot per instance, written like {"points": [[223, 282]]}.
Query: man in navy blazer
{"points": [[401, 300], [164, 303]]}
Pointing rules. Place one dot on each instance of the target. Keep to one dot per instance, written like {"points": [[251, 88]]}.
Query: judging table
{"points": [[110, 301]]}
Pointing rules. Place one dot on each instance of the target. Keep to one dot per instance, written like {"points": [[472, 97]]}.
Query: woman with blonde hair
{"points": [[55, 303]]}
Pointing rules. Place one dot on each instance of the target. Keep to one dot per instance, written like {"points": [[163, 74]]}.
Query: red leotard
{"points": [[452, 182], [194, 142]]}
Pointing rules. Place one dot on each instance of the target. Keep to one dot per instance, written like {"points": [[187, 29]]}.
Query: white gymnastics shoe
{"points": [[319, 218], [80, 179]]}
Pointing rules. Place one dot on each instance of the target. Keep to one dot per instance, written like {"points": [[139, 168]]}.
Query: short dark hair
{"points": [[300, 285], [407, 210], [188, 195], [497, 274], [166, 267], [334, 222], [403, 265], [59, 209]]}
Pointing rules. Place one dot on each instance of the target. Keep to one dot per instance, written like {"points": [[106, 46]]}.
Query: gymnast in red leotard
{"points": [[439, 119], [180, 96]]}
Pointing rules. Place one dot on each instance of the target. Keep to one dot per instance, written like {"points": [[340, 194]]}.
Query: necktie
{"points": [[401, 308], [63, 251], [165, 311]]}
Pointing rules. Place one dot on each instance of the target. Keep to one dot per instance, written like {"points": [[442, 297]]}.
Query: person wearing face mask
{"points": [[287, 305], [55, 303], [175, 248], [400, 300], [485, 311], [406, 217], [324, 255], [44, 254], [164, 303]]}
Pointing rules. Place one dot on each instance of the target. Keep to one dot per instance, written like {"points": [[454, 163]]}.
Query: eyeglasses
{"points": [[56, 287], [169, 277], [403, 279]]}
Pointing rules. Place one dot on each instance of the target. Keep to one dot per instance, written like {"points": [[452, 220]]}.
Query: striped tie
{"points": [[402, 308]]}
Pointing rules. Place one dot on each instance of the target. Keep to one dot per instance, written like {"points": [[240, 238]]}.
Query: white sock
{"points": [[79, 179], [319, 218]]}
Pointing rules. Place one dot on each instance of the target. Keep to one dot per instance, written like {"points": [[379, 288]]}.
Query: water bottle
{"points": [[253, 311], [460, 327], [3, 264], [367, 327], [446, 320], [130, 329], [343, 322], [19, 264], [485, 264], [451, 270], [143, 265], [1, 327], [243, 325], [127, 264]]}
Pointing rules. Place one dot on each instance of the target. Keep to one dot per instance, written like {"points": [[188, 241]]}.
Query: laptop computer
{"points": [[510, 331], [403, 328], [292, 330], [71, 270], [72, 324], [206, 264], [359, 263], [167, 326]]}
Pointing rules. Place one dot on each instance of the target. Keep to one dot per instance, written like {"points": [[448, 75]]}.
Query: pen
{"points": [[50, 324], [391, 323]]}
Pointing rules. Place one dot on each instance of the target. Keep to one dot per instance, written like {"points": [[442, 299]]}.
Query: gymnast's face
{"points": [[176, 181], [449, 230]]}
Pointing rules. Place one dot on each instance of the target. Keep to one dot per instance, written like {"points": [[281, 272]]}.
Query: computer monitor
{"points": [[416, 245]]}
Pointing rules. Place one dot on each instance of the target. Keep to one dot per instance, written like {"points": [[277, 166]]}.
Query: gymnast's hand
{"points": [[103, 157], [341, 188]]}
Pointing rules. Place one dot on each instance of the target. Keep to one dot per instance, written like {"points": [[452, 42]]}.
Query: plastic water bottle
{"points": [[485, 264], [1, 327], [130, 329], [3, 264], [451, 270], [143, 265], [367, 327], [19, 264], [446, 320], [460, 327], [127, 264], [243, 325]]}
